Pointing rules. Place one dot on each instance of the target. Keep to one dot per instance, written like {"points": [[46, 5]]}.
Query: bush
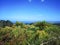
{"points": [[33, 34]]}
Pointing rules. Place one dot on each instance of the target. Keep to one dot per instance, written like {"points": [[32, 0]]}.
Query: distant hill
{"points": [[55, 22], [4, 23]]}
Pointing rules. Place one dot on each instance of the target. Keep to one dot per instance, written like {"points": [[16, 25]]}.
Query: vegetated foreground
{"points": [[38, 33]]}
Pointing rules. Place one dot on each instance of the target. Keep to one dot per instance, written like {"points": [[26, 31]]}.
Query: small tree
{"points": [[19, 24]]}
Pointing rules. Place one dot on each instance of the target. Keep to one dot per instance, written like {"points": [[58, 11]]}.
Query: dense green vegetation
{"points": [[38, 33]]}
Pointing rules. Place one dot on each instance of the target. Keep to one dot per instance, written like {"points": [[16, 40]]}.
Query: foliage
{"points": [[39, 33]]}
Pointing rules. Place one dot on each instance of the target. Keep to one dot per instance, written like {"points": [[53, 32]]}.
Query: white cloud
{"points": [[42, 0], [30, 0]]}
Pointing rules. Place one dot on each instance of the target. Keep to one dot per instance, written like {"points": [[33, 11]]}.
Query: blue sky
{"points": [[30, 10]]}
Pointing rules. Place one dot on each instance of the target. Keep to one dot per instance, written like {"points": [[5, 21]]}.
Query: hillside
{"points": [[38, 33]]}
